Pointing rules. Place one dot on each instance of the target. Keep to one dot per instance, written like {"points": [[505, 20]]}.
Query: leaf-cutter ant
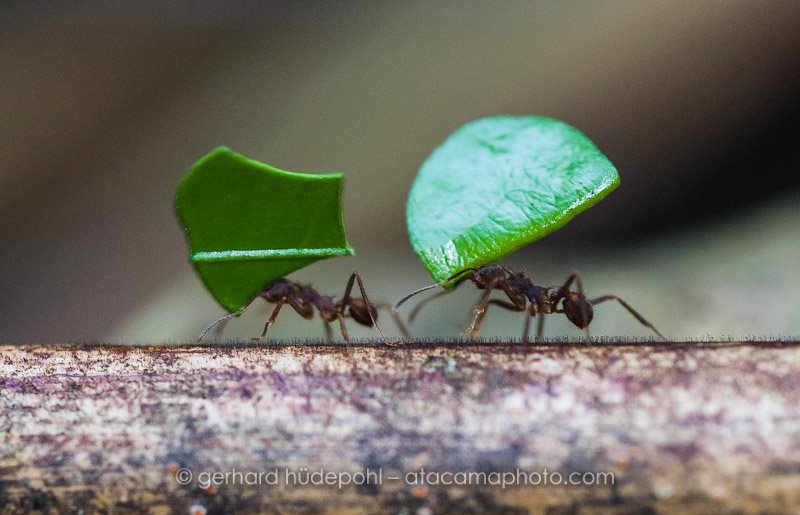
{"points": [[303, 298], [524, 295]]}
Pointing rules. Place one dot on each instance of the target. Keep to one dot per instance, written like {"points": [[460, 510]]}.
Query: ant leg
{"points": [[346, 301], [302, 308], [540, 327], [511, 306], [328, 332], [479, 311], [343, 328], [632, 311], [518, 303], [530, 313], [346, 337], [504, 304], [223, 320], [526, 330], [271, 319]]}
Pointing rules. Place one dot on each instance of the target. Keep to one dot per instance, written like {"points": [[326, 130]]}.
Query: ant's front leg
{"points": [[517, 303], [479, 312], [304, 310], [632, 311], [271, 319]]}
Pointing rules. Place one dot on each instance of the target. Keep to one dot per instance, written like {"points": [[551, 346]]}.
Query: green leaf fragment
{"points": [[249, 224], [497, 184]]}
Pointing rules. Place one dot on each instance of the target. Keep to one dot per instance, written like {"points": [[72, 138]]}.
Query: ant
{"points": [[524, 295], [303, 298]]}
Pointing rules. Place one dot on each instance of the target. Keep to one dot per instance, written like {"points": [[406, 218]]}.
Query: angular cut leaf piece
{"points": [[497, 184], [249, 224]]}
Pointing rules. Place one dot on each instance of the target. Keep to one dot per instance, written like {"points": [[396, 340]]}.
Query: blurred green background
{"points": [[105, 106]]}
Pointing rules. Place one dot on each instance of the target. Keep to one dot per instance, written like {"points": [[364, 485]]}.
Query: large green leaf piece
{"points": [[497, 184], [249, 224]]}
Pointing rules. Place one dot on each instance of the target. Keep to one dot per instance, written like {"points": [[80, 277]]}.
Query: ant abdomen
{"points": [[362, 312], [578, 310]]}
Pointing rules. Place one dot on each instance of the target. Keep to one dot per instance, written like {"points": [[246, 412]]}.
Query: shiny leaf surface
{"points": [[497, 184], [249, 224]]}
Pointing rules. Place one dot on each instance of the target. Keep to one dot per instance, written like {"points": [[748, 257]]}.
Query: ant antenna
{"points": [[223, 319], [415, 292], [430, 287]]}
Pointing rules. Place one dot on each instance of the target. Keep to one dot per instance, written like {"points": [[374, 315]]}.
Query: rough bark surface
{"points": [[682, 427]]}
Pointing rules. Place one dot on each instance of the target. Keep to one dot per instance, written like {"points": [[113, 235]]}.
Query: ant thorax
{"points": [[539, 296], [309, 294]]}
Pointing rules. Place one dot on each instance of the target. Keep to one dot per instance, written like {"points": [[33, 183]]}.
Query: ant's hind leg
{"points": [[563, 291], [328, 332], [354, 277], [632, 311]]}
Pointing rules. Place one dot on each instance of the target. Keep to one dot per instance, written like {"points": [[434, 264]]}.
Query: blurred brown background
{"points": [[104, 108]]}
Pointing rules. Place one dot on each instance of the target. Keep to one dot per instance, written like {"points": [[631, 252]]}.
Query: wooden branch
{"points": [[681, 427]]}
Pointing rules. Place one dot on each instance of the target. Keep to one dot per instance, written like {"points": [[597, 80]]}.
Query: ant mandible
{"points": [[524, 295], [303, 298]]}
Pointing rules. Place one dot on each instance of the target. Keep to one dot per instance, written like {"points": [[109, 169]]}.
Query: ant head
{"points": [[578, 309], [360, 311], [486, 274], [277, 290]]}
